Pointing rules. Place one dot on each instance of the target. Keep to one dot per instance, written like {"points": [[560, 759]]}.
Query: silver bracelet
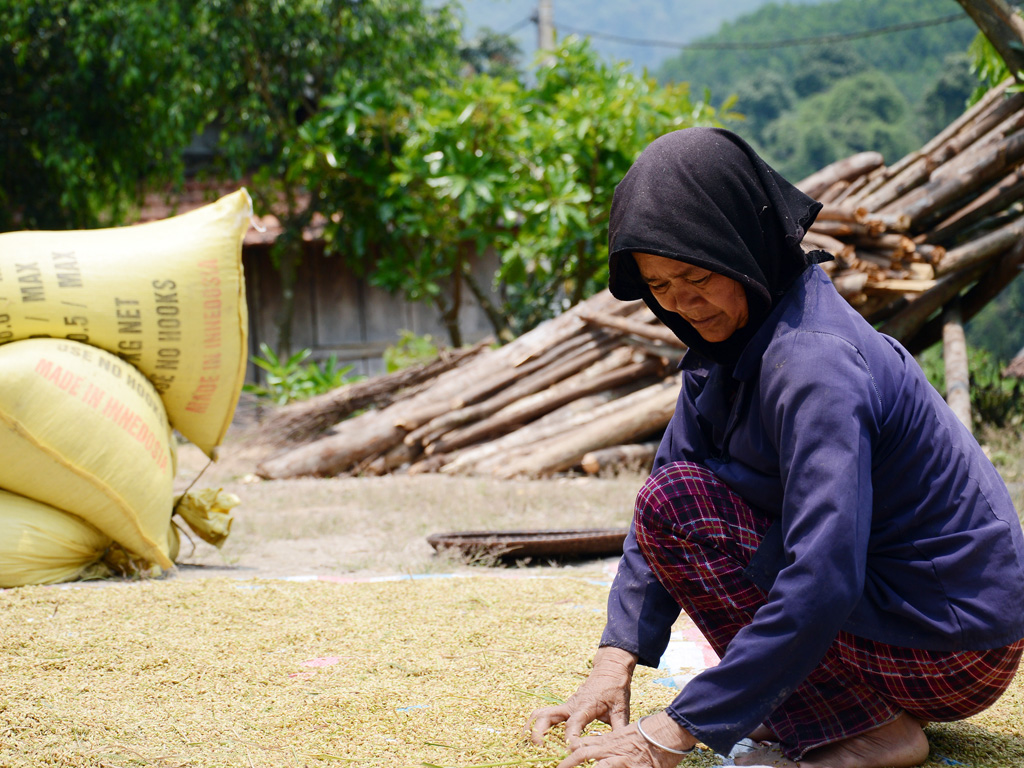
{"points": [[649, 740]]}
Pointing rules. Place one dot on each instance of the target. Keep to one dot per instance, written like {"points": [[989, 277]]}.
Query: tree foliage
{"points": [[97, 100], [528, 171], [947, 96], [416, 150], [589, 122], [995, 401], [307, 96], [819, 68]]}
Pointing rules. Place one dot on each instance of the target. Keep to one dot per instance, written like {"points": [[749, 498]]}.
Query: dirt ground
{"points": [[363, 527], [376, 526]]}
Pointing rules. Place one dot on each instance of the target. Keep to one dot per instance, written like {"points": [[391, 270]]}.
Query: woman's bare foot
{"points": [[767, 754], [899, 744], [762, 733]]}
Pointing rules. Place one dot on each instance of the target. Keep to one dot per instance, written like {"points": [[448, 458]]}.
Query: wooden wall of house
{"points": [[337, 312]]}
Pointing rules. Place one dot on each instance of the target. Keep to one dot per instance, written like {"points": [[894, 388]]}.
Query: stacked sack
{"points": [[109, 340]]}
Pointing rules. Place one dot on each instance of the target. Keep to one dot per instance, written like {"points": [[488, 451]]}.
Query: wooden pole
{"points": [[884, 175], [997, 198], [488, 456], [1006, 267], [987, 164], [634, 327], [906, 323], [542, 379], [847, 169], [977, 132], [1002, 26], [982, 249], [954, 355], [530, 408], [371, 433], [632, 456], [649, 412]]}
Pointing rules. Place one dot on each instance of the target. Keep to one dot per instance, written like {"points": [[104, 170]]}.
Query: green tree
{"points": [[528, 171], [97, 101], [452, 194], [492, 53], [362, 117], [588, 122], [310, 96]]}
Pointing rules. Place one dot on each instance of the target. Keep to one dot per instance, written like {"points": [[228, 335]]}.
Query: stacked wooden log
{"points": [[939, 230], [940, 226], [597, 377]]}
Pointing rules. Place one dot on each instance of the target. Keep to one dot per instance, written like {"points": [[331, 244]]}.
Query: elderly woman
{"points": [[836, 534]]}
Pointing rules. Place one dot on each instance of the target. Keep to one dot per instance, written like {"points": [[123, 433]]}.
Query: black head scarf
{"points": [[703, 196]]}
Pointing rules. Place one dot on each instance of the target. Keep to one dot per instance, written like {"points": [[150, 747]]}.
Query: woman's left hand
{"points": [[626, 748]]}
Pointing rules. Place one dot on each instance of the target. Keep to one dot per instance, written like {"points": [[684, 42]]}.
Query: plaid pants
{"points": [[698, 537]]}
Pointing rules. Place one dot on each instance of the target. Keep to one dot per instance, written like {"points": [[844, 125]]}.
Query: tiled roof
{"points": [[266, 226]]}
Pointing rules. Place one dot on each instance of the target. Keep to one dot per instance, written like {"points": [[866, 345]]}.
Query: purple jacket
{"points": [[888, 520]]}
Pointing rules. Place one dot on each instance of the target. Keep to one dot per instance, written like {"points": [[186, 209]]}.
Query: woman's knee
{"points": [[669, 490], [933, 685], [687, 500]]}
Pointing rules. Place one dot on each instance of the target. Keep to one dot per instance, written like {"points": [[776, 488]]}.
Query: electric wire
{"points": [[518, 25], [769, 44]]}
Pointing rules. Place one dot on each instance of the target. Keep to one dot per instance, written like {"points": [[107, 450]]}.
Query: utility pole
{"points": [[546, 31]]}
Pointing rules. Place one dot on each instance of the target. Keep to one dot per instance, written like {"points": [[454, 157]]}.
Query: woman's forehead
{"points": [[652, 266]]}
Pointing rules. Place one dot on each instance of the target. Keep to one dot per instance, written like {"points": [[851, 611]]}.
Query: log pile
{"points": [[941, 225], [597, 377], [938, 230]]}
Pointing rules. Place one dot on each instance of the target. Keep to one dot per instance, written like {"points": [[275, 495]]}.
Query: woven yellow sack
{"points": [[85, 432], [43, 545], [167, 296]]}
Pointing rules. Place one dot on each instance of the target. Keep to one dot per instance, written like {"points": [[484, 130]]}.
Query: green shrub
{"points": [[409, 350], [995, 401], [295, 379]]}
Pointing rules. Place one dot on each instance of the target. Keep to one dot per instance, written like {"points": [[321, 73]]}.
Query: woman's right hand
{"points": [[603, 696]]}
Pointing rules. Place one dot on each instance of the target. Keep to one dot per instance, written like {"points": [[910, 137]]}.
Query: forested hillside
{"points": [[807, 105]]}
